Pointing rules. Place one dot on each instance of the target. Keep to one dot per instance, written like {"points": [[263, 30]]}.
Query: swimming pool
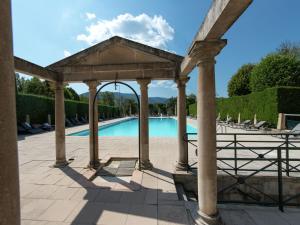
{"points": [[158, 127]]}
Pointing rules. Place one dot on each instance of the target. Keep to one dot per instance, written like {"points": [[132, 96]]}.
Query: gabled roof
{"points": [[118, 58], [115, 45]]}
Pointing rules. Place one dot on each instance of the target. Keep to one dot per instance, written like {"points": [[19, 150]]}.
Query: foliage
{"points": [[70, 93], [239, 83], [266, 104], [289, 48], [45, 88], [157, 109], [107, 98], [38, 107], [130, 107], [170, 105], [275, 70]]}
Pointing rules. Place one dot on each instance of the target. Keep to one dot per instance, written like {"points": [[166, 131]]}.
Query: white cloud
{"points": [[163, 84], [67, 53], [154, 31], [90, 16]]}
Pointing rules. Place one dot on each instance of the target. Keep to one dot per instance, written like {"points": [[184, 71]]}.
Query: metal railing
{"points": [[244, 156]]}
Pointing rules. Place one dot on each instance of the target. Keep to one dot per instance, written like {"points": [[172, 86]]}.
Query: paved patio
{"points": [[68, 196]]}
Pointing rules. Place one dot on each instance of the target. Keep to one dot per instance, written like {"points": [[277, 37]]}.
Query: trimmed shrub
{"points": [[265, 104], [38, 107], [275, 70], [239, 83]]}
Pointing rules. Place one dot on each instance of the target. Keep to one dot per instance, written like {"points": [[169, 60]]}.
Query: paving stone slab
{"points": [[127, 164], [107, 171], [125, 171]]}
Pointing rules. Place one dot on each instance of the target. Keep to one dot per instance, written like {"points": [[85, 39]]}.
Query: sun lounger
{"points": [[29, 129], [83, 120], [68, 123], [75, 121], [21, 130], [245, 124], [259, 125], [228, 121], [47, 127], [295, 132]]}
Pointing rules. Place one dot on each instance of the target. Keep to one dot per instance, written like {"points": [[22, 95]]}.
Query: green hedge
{"points": [[38, 108], [265, 104]]}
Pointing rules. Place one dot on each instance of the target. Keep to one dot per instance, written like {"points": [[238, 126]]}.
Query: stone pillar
{"points": [[144, 132], [182, 163], [94, 146], [204, 52], [9, 172], [60, 138]]}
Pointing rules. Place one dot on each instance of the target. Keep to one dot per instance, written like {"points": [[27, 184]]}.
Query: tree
{"points": [[239, 83], [35, 86], [107, 98], [190, 99], [20, 82], [130, 107], [72, 94], [170, 105], [289, 48], [275, 70]]}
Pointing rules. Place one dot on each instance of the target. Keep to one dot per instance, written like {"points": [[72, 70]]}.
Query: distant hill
{"points": [[152, 100]]}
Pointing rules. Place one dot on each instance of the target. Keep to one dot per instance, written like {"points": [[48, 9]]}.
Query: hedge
{"points": [[38, 108], [265, 104]]}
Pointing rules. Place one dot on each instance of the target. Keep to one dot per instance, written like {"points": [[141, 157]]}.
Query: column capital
{"points": [[92, 83], [205, 51], [181, 81], [143, 82]]}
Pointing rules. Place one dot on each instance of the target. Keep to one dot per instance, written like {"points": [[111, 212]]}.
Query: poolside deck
{"points": [[67, 196]]}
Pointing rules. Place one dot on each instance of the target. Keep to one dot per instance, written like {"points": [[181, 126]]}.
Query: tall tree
{"points": [[276, 70], [239, 83]]}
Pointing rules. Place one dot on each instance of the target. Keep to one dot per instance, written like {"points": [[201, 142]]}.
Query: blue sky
{"points": [[45, 31]]}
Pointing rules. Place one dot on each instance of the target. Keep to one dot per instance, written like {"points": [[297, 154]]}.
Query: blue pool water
{"points": [[158, 127]]}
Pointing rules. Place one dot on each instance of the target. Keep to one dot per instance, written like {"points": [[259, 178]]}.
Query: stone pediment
{"points": [[118, 58], [117, 50]]}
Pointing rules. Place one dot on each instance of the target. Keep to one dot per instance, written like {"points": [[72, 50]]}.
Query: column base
{"points": [[202, 219], [181, 166], [94, 164], [60, 164], [146, 165]]}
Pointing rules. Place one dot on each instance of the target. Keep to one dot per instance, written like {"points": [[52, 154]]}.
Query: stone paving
{"points": [[68, 196]]}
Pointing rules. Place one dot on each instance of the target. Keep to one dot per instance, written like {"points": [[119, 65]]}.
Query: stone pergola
{"points": [[121, 59], [114, 59]]}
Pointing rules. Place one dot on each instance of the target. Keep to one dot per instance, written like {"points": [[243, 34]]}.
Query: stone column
{"points": [[182, 163], [9, 172], [94, 146], [204, 52], [144, 132], [60, 138]]}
